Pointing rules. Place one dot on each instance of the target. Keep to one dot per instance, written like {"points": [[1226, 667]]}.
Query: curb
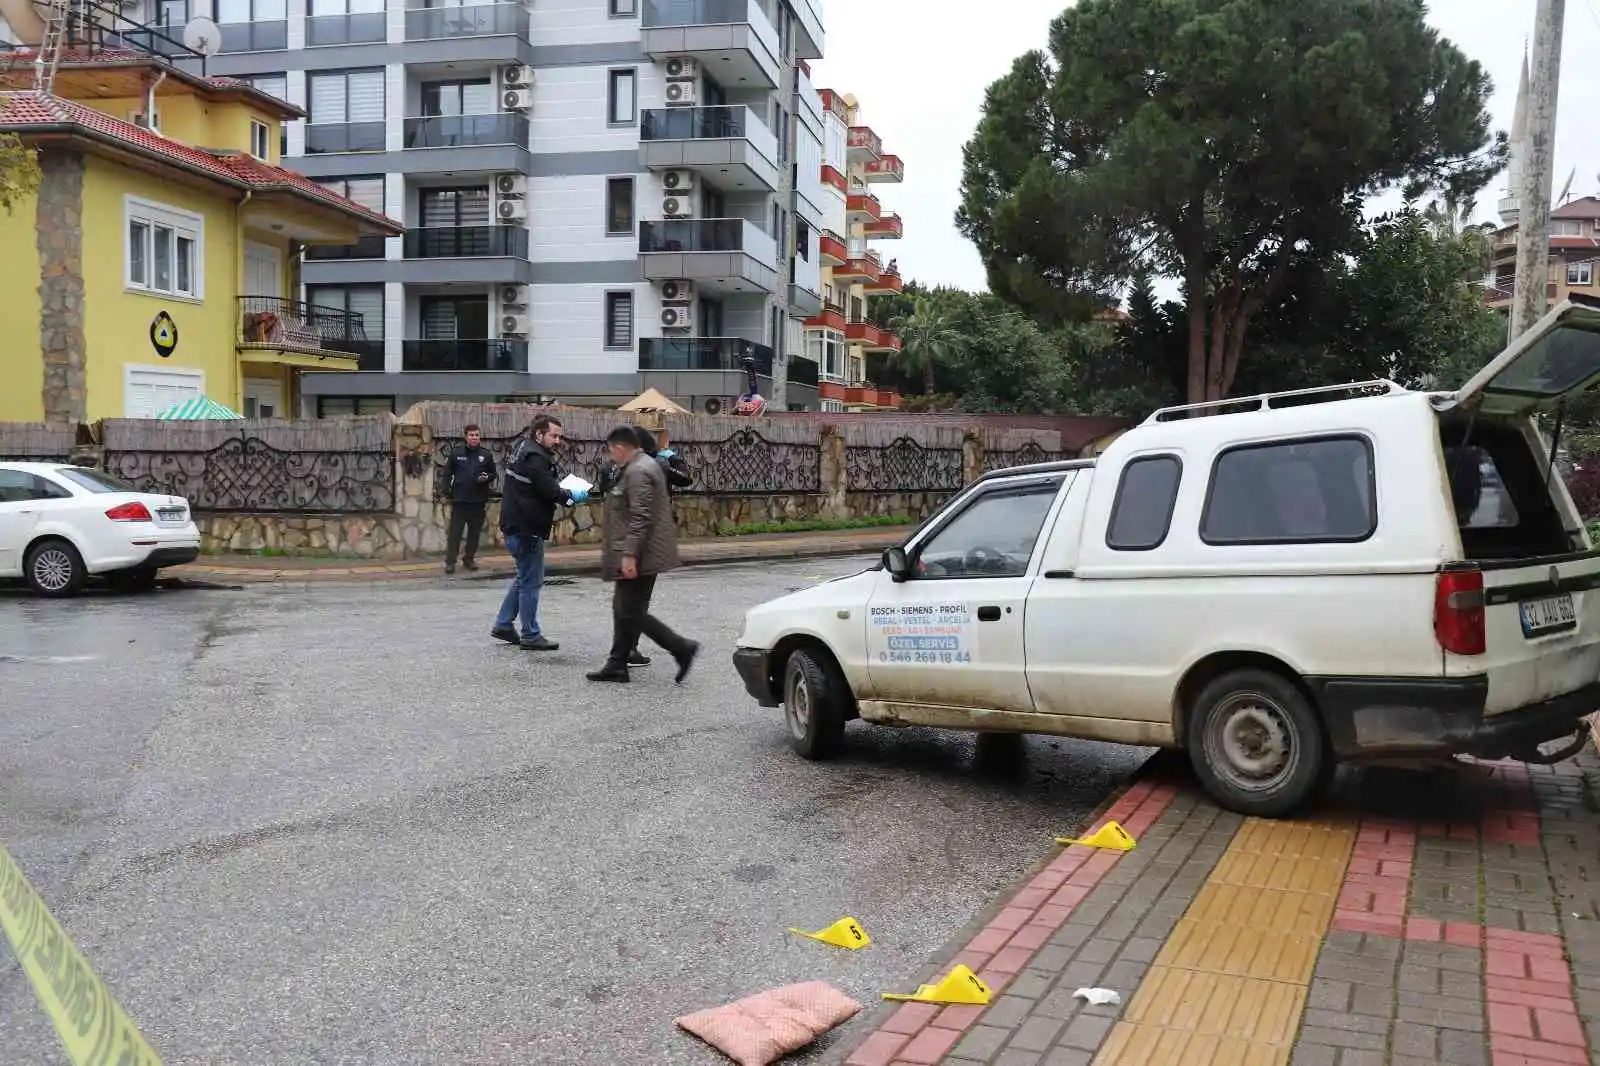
{"points": [[873, 1018]]}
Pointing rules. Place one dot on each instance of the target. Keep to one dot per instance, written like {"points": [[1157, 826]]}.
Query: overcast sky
{"points": [[874, 48]]}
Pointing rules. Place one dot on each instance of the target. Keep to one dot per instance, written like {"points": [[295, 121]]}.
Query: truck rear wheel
{"points": [[1257, 744], [813, 704]]}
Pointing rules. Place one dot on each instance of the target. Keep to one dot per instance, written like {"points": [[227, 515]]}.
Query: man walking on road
{"points": [[640, 544], [527, 511], [468, 480]]}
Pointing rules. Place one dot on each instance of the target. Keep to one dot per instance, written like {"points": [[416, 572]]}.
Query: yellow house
{"points": [[156, 261]]}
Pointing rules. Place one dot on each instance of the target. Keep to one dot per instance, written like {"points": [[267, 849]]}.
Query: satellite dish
{"points": [[203, 36]]}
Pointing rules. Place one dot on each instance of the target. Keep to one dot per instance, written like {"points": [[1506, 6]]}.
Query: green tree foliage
{"points": [[1228, 143], [19, 171]]}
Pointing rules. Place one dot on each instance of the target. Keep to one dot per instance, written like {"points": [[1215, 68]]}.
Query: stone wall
{"points": [[59, 232]]}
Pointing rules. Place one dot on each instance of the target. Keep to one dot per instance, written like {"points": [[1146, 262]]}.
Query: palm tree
{"points": [[928, 338]]}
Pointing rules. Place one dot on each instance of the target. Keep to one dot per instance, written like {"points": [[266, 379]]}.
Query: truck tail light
{"points": [[1458, 611], [129, 512]]}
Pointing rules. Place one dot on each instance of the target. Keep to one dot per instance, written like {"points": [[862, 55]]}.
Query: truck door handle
{"points": [[988, 614]]}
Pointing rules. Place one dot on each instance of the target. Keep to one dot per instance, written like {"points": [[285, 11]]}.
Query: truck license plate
{"points": [[1549, 615]]}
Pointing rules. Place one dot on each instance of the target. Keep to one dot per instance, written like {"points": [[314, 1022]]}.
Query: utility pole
{"points": [[1538, 169]]}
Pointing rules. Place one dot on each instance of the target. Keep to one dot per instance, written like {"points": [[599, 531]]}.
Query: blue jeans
{"points": [[522, 598]]}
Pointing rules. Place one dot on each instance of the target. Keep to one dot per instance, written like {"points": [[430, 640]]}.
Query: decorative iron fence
{"points": [[902, 465], [1024, 455], [247, 474]]}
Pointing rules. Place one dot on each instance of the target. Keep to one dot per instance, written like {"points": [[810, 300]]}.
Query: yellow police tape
{"points": [[95, 1030]]}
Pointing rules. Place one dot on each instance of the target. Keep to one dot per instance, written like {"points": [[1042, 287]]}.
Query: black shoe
{"points": [[685, 661], [469, 564], [449, 568], [506, 633], [638, 660], [538, 644], [607, 673]]}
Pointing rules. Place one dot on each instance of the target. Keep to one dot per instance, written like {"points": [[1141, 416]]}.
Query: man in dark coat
{"points": [[468, 480], [640, 544], [527, 511]]}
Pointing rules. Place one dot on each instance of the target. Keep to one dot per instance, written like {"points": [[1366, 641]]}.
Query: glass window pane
{"points": [[163, 258], [1142, 511], [1299, 491], [477, 98], [185, 265], [271, 10], [138, 253], [992, 537], [622, 96], [619, 205], [272, 84]]}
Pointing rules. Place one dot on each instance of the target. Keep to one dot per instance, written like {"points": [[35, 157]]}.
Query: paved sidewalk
{"points": [[576, 559], [1450, 916]]}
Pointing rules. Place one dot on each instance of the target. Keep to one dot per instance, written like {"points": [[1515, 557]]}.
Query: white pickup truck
{"points": [[1287, 582]]}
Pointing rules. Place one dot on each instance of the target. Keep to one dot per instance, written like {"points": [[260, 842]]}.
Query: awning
{"points": [[197, 409]]}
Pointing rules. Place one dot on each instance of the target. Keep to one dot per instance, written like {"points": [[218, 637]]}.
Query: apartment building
{"points": [[839, 337], [599, 196], [1574, 253]]}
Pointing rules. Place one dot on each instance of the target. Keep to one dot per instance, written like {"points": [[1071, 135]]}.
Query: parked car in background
{"points": [[59, 524], [1343, 574]]}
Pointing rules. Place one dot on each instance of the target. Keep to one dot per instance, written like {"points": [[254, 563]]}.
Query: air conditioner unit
{"points": [[516, 76], [511, 210], [677, 180], [677, 292], [682, 93], [677, 316], [511, 184], [680, 68], [714, 405], [677, 207], [517, 99], [513, 325], [513, 296]]}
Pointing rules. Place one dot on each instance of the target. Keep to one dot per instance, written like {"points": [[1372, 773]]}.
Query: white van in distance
{"points": [[1275, 584]]}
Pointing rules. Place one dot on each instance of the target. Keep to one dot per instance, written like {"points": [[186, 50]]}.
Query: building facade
{"points": [[599, 196], [839, 337], [154, 264]]}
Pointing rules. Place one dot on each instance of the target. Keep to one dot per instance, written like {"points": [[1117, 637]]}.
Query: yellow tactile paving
{"points": [[1229, 985]]}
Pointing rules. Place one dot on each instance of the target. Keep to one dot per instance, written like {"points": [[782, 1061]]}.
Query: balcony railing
{"points": [[365, 27], [491, 353], [830, 176], [887, 226], [669, 14], [452, 131], [271, 322], [726, 122], [706, 235], [363, 248], [702, 353], [803, 372], [344, 137], [464, 242], [888, 168], [249, 36], [470, 20], [863, 140]]}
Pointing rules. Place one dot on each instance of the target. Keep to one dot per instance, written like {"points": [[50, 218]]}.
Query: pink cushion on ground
{"points": [[763, 1028]]}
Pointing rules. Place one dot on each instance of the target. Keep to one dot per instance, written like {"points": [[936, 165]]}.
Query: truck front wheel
{"points": [[1256, 743], [813, 704]]}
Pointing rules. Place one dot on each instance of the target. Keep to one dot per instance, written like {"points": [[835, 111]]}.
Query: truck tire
{"points": [[54, 568], [813, 704], [1257, 744]]}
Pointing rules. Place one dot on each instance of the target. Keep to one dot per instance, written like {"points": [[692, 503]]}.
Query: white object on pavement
{"points": [[1098, 997], [572, 482]]}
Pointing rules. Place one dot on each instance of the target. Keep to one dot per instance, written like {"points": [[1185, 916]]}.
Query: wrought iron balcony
{"points": [[461, 242], [702, 353], [363, 27], [363, 248], [275, 324], [491, 353], [470, 20], [344, 137], [453, 131]]}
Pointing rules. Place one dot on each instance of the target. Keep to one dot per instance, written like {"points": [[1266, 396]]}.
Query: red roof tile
{"points": [[25, 112]]}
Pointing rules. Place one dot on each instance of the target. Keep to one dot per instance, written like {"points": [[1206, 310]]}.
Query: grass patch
{"points": [[814, 525]]}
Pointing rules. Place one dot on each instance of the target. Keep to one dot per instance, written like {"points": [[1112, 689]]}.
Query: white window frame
{"points": [[1580, 273], [183, 225], [260, 139]]}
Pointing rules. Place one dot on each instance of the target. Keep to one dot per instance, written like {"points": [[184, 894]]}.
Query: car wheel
{"points": [[54, 568], [813, 705], [1256, 743], [138, 579]]}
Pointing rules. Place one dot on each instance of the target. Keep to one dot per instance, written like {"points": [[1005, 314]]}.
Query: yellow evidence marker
{"points": [[845, 933], [1111, 836], [960, 985]]}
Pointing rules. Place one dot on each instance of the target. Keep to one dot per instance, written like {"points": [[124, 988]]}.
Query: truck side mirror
{"points": [[895, 561]]}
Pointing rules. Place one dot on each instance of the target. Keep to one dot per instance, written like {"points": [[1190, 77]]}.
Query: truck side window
{"points": [[1292, 492], [993, 536], [1146, 495]]}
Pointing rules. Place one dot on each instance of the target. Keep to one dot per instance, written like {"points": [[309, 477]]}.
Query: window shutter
{"points": [[368, 303], [366, 96], [619, 320]]}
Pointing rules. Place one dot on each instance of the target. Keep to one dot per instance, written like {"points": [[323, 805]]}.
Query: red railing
{"points": [[832, 247], [863, 203], [832, 177], [887, 227], [888, 168], [862, 139]]}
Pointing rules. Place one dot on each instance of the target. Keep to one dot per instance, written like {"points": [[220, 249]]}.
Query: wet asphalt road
{"points": [[342, 826]]}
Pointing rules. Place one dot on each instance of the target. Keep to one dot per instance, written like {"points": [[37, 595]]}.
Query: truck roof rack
{"points": [[1269, 400]]}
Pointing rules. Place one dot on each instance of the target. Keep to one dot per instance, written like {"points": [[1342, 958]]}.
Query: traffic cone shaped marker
{"points": [[1110, 836], [845, 933], [960, 985]]}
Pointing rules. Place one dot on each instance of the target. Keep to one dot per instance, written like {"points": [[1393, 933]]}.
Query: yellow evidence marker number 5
{"points": [[93, 1027]]}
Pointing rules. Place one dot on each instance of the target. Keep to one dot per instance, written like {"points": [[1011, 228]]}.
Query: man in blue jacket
{"points": [[527, 511]]}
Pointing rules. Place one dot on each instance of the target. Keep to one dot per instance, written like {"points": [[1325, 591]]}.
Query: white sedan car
{"points": [[61, 523]]}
